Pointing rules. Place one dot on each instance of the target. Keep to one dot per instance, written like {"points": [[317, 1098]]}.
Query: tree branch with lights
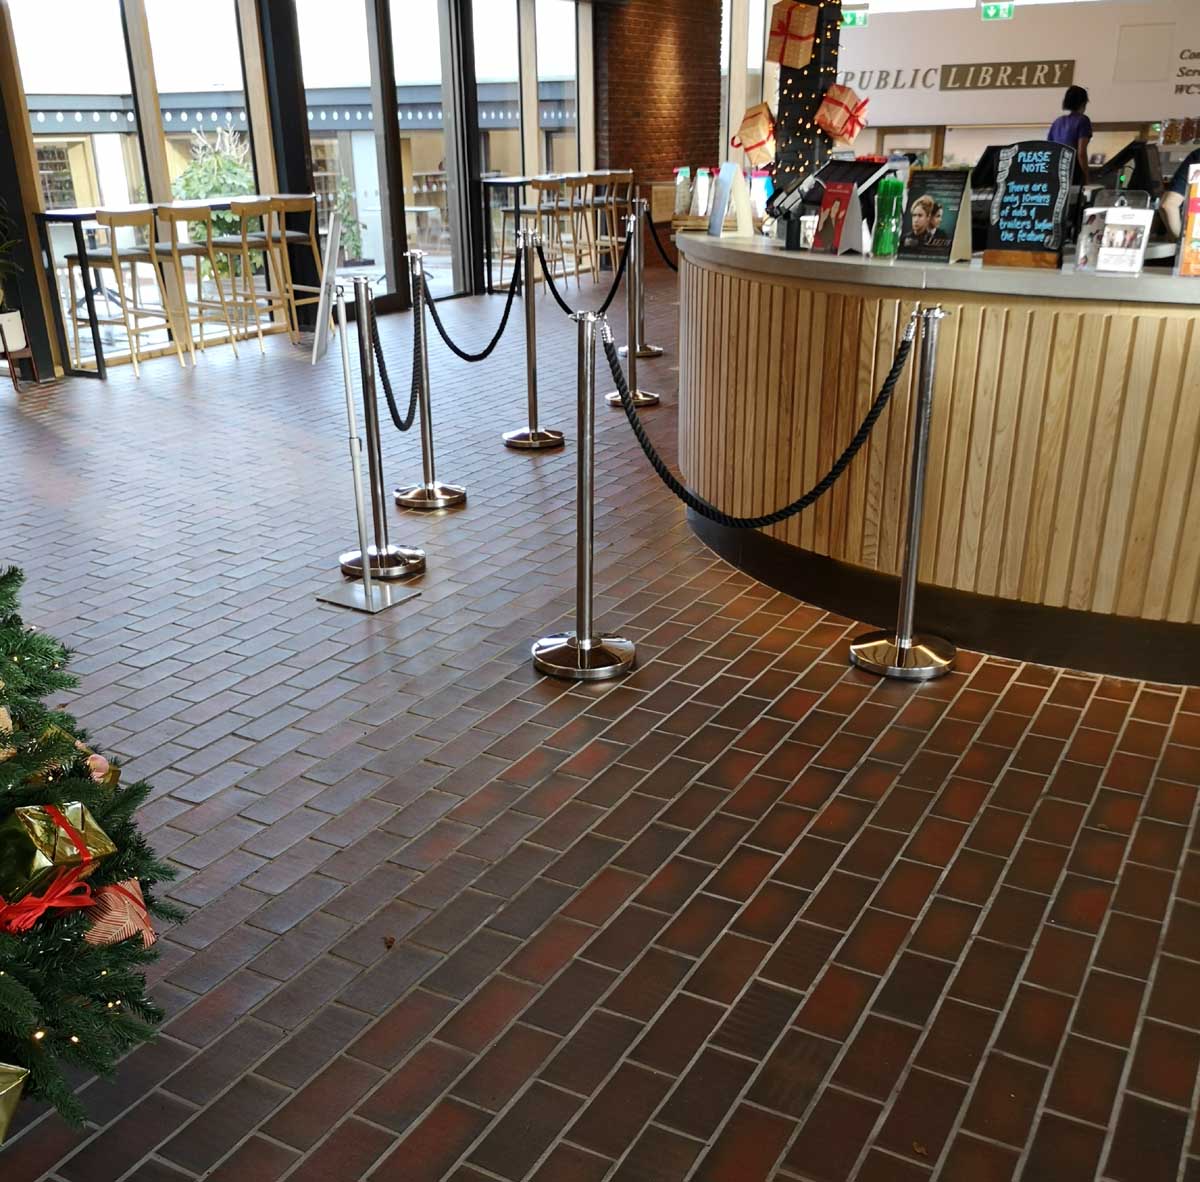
{"points": [[802, 146], [77, 885]]}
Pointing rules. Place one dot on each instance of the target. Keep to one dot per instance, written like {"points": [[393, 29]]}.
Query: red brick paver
{"points": [[749, 913]]}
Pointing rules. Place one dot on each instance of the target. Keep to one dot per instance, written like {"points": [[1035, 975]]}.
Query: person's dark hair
{"points": [[1075, 99]]}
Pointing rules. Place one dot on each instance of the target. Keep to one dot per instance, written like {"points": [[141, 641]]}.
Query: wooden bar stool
{"points": [[100, 265], [259, 234], [587, 213], [522, 217], [576, 191], [618, 206], [304, 208], [551, 211], [137, 319], [199, 309]]}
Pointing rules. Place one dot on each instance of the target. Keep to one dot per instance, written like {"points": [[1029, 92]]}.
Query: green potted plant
{"points": [[352, 228]]}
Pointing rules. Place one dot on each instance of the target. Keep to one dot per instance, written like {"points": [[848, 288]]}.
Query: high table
{"points": [[514, 185], [1062, 508]]}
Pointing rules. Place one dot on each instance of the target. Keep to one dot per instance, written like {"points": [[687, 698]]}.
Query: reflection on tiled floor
{"points": [[748, 913]]}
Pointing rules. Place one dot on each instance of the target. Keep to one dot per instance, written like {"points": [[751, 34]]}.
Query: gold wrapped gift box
{"points": [[38, 843], [12, 1084]]}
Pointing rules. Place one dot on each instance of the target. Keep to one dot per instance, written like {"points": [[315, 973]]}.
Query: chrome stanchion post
{"points": [[642, 208], [903, 654], [383, 560], [430, 493], [534, 437], [633, 305], [582, 655]]}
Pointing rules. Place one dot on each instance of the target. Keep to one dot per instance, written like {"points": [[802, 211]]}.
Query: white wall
{"points": [[1130, 56]]}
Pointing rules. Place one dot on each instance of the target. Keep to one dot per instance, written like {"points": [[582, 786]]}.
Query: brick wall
{"points": [[658, 87]]}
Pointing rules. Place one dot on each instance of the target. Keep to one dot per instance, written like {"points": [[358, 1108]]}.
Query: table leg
{"points": [[87, 273], [516, 196], [488, 244]]}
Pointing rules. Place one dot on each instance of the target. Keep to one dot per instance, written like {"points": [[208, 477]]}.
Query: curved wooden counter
{"points": [[1063, 460]]}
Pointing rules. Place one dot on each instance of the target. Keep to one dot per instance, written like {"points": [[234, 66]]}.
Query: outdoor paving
{"points": [[748, 913]]}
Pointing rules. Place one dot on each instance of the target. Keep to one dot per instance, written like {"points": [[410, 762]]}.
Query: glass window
{"points": [[334, 57], [201, 92], [755, 54], [417, 54], [558, 143], [497, 74], [80, 100], [85, 137]]}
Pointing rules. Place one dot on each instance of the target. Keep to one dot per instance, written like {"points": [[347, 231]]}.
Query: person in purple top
{"points": [[1073, 128]]}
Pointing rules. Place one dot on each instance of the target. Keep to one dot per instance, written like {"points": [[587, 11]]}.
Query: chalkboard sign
{"points": [[1029, 207]]}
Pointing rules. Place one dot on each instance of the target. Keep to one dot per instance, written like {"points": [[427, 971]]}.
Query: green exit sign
{"points": [[998, 12], [854, 18]]}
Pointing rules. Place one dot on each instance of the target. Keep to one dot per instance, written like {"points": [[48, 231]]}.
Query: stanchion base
{"points": [[643, 351], [430, 496], [396, 562], [928, 656], [354, 596], [595, 660], [528, 440], [640, 398]]}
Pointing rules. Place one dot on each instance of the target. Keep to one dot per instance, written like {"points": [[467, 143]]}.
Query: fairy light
{"points": [[38, 1035]]}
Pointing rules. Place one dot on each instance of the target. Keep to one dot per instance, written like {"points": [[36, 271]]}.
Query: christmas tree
{"points": [[76, 885]]}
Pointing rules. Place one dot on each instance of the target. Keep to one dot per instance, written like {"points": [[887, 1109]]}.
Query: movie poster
{"points": [[936, 216]]}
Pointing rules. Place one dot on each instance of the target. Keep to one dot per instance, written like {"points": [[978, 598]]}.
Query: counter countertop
{"points": [[767, 256]]}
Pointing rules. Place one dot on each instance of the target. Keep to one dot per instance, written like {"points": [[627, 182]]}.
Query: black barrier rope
{"points": [[703, 507], [662, 250], [402, 423], [612, 292], [484, 354]]}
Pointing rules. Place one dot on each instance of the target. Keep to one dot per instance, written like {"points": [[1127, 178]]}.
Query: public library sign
{"points": [[964, 76], [948, 67]]}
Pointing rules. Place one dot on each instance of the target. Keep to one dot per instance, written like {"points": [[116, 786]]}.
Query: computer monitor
{"points": [[1139, 163]]}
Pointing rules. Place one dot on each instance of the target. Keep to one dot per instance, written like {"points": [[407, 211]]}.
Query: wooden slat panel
{"points": [[1100, 459], [1024, 471], [957, 443], [975, 506], [1174, 571], [866, 379], [1165, 395], [874, 457], [1130, 441], [1000, 461], [1055, 411], [1081, 417]]}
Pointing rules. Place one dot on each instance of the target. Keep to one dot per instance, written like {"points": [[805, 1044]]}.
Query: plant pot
{"points": [[13, 328]]}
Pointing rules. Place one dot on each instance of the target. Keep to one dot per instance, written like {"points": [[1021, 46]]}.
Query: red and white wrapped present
{"points": [[119, 913], [756, 136], [793, 31], [842, 114]]}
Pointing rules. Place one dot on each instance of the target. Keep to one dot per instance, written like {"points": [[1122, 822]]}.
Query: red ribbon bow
{"points": [[736, 142], [68, 892]]}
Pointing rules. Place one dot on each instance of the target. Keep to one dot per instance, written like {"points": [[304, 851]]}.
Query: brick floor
{"points": [[749, 913]]}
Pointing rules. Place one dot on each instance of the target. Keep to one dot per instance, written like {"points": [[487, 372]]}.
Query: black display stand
{"points": [[801, 146]]}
